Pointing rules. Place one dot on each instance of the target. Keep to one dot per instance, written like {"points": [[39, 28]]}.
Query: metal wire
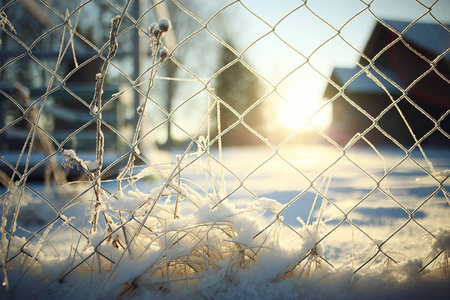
{"points": [[48, 56]]}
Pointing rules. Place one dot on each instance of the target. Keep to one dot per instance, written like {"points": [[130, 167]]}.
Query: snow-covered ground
{"points": [[396, 209], [302, 222]]}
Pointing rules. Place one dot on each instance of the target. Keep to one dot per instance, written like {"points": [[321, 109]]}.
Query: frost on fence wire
{"points": [[263, 188]]}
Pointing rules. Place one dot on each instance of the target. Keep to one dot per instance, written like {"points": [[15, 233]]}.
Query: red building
{"points": [[413, 66]]}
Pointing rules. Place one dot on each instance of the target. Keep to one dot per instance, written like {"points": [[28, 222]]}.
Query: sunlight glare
{"points": [[300, 108]]}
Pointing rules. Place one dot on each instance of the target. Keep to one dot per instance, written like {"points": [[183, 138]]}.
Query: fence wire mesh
{"points": [[125, 140]]}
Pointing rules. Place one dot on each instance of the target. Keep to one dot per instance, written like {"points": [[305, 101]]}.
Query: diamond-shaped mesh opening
{"points": [[277, 165], [356, 26], [406, 74], [415, 9], [434, 204], [345, 11], [435, 94], [349, 120], [249, 31], [336, 48], [249, 139], [295, 34], [368, 215], [439, 135], [400, 131], [271, 46]]}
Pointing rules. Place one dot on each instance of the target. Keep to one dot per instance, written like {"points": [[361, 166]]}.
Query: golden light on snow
{"points": [[301, 108]]}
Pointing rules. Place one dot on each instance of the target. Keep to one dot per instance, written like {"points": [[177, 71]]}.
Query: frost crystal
{"points": [[442, 175], [94, 110], [70, 158]]}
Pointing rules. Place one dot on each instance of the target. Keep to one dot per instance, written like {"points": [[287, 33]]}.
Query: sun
{"points": [[300, 108]]}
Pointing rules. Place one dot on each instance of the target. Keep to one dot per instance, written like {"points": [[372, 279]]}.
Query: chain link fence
{"points": [[189, 138]]}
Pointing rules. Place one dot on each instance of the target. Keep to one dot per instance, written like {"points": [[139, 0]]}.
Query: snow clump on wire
{"points": [[70, 157]]}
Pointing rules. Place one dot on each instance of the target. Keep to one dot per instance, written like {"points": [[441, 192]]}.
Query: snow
{"points": [[70, 157], [283, 232]]}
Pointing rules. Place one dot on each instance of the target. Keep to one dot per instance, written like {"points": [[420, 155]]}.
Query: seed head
{"points": [[163, 53], [152, 27], [155, 30], [164, 25]]}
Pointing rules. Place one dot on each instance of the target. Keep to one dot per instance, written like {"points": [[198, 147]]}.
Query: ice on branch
{"points": [[441, 175], [70, 158]]}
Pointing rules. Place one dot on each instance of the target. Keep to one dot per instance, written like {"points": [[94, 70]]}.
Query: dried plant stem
{"points": [[219, 143], [5, 179], [23, 94], [141, 110], [96, 109], [4, 23], [175, 213], [35, 117]]}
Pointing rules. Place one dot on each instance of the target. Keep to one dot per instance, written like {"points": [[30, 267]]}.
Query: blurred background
{"points": [[284, 72], [317, 101]]}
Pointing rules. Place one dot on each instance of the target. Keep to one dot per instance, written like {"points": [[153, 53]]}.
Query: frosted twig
{"points": [[96, 110], [7, 236], [160, 54]]}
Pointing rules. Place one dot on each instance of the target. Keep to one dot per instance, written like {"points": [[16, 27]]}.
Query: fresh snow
{"points": [[261, 242]]}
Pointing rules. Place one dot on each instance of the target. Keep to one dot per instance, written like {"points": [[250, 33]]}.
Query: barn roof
{"points": [[430, 36], [362, 83]]}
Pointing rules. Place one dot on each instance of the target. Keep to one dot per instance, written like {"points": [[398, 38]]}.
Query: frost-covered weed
{"points": [[183, 237]]}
